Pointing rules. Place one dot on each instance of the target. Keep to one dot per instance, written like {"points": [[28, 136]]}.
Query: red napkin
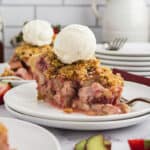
{"points": [[131, 77]]}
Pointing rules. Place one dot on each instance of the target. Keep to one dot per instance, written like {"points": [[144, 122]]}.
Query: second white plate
{"points": [[26, 136], [78, 125]]}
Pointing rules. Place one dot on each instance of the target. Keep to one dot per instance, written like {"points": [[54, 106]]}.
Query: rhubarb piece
{"points": [[80, 145], [146, 144], [96, 143]]}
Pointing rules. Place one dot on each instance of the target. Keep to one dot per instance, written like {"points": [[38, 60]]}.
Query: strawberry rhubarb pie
{"points": [[37, 36], [71, 78]]}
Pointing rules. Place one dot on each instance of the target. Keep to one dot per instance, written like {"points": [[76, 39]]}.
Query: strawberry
{"points": [[136, 144], [139, 144], [56, 29], [4, 87]]}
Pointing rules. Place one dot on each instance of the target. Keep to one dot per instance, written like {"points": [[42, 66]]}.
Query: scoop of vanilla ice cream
{"points": [[75, 42], [38, 32]]}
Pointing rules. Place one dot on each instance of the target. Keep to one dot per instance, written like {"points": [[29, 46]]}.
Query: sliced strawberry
{"points": [[136, 144], [4, 87], [56, 29]]}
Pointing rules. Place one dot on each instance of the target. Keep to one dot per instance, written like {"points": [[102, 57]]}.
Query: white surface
{"points": [[126, 18], [11, 15], [35, 2], [83, 2], [129, 49], [119, 137], [78, 125], [20, 137], [25, 101], [68, 15], [8, 34], [85, 16]]}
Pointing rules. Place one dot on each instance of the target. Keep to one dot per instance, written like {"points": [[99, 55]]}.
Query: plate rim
{"points": [[126, 64], [102, 123], [114, 53], [127, 68], [125, 59]]}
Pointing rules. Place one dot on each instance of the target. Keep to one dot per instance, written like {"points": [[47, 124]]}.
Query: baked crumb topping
{"points": [[84, 71], [25, 51]]}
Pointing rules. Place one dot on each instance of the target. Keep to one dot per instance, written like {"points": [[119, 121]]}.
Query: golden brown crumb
{"points": [[68, 110], [25, 51], [80, 71], [108, 78]]}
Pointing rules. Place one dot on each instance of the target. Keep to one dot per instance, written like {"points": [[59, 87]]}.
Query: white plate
{"points": [[141, 73], [78, 125], [27, 136], [24, 99], [134, 69], [129, 49], [127, 64], [121, 58]]}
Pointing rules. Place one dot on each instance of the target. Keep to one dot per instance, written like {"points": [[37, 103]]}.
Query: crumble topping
{"points": [[86, 70], [25, 51]]}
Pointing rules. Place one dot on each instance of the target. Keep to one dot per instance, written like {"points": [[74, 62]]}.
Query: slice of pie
{"points": [[19, 61], [83, 86], [37, 36]]}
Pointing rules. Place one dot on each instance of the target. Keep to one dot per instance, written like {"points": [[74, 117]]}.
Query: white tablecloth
{"points": [[68, 138]]}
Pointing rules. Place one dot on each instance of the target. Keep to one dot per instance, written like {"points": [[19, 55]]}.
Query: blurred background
{"points": [[15, 12]]}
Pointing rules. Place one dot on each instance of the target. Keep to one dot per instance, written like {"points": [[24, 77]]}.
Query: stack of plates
{"points": [[133, 57], [22, 102]]}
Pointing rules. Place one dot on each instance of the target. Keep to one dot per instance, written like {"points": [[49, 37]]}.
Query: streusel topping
{"points": [[86, 70], [25, 51]]}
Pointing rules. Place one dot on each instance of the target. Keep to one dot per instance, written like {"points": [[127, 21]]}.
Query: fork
{"points": [[134, 100], [116, 44]]}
